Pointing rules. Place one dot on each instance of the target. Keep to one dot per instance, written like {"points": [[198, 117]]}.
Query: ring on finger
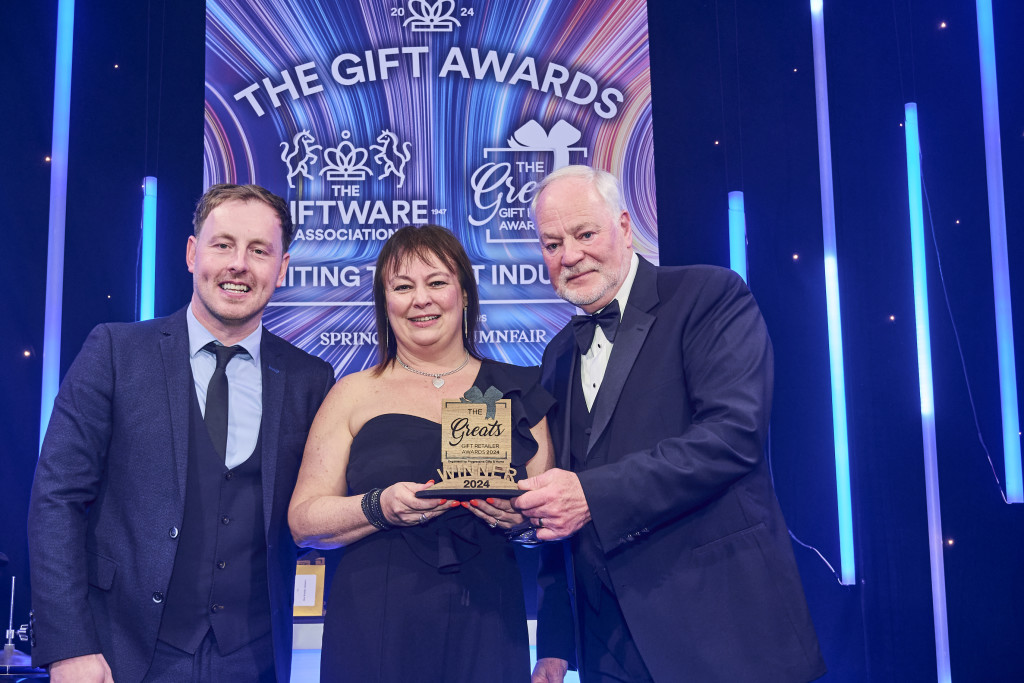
{"points": [[423, 518], [540, 522], [493, 524]]}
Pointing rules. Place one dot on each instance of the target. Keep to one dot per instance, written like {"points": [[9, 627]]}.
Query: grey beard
{"points": [[583, 298]]}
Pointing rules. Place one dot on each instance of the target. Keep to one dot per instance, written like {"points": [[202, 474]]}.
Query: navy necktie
{"points": [[217, 396], [584, 326]]}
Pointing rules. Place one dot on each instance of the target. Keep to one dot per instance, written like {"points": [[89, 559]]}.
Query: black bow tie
{"points": [[584, 326]]}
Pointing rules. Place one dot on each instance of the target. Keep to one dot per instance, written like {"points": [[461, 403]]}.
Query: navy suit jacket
{"points": [[693, 538], [109, 491]]}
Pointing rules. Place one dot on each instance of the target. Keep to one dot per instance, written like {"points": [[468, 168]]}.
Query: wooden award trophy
{"points": [[476, 448]]}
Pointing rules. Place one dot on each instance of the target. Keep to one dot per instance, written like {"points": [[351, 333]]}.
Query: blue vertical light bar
{"points": [[737, 235], [1000, 265], [835, 328], [147, 276], [58, 204], [924, 369]]}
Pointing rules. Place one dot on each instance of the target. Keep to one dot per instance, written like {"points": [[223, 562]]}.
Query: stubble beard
{"points": [[609, 282]]}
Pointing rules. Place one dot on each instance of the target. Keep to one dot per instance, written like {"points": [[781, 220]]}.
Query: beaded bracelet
{"points": [[372, 510]]}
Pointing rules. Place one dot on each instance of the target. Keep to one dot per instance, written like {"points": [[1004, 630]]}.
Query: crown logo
{"points": [[346, 162]]}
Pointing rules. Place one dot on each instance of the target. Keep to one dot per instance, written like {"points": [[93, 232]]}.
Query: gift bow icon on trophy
{"points": [[531, 135], [490, 399]]}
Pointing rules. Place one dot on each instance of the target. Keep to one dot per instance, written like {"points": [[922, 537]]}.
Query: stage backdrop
{"points": [[369, 115]]}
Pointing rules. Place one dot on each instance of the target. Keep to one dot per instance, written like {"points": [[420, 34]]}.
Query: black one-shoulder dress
{"points": [[439, 602]]}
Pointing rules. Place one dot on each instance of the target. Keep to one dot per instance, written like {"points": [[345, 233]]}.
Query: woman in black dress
{"points": [[426, 589]]}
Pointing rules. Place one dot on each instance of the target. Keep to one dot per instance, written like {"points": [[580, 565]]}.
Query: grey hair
{"points": [[605, 183]]}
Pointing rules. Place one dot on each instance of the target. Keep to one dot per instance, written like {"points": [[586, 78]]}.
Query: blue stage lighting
{"points": [[737, 235], [147, 278], [58, 204], [835, 327], [1000, 264], [924, 368]]}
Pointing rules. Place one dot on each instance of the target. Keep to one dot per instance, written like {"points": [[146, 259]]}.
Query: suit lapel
{"points": [[178, 388], [566, 359], [273, 404], [636, 323]]}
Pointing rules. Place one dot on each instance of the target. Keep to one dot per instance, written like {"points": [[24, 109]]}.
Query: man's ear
{"points": [[626, 225], [284, 269], [190, 253]]}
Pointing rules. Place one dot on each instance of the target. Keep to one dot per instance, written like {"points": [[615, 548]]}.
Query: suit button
{"points": [[228, 475], [221, 564], [214, 608], [158, 597], [587, 431], [173, 533], [225, 520]]}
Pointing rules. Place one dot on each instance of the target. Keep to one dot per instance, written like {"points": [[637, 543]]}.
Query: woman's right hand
{"points": [[401, 507]]}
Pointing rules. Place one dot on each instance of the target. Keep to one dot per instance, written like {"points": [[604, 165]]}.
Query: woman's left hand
{"points": [[495, 512]]}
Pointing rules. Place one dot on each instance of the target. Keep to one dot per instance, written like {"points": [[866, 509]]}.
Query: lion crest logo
{"points": [[299, 155], [392, 157]]}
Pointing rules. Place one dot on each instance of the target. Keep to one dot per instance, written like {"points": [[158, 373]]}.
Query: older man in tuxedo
{"points": [[682, 568], [159, 547]]}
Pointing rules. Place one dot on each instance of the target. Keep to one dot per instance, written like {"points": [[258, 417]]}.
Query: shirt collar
{"points": [[622, 296], [199, 336]]}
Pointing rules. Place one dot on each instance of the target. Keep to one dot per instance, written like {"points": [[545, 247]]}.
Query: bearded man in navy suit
{"points": [[680, 563], [159, 548]]}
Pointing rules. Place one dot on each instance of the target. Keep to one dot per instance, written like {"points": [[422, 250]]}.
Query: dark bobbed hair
{"points": [[224, 192], [422, 242]]}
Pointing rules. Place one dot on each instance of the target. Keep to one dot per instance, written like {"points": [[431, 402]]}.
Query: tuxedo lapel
{"points": [[273, 405], [566, 357], [565, 386], [178, 389], [636, 323]]}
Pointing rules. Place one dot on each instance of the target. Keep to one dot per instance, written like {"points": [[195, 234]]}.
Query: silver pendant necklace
{"points": [[438, 382]]}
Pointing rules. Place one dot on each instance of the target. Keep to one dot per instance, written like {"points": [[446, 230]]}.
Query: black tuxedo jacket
{"points": [[693, 538], [109, 491]]}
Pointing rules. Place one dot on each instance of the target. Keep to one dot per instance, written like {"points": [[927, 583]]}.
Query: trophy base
{"points": [[463, 490]]}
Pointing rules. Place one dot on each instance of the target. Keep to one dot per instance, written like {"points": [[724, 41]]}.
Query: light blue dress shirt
{"points": [[245, 387]]}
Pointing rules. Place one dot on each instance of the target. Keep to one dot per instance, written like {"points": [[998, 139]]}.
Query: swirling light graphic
{"points": [[452, 83]]}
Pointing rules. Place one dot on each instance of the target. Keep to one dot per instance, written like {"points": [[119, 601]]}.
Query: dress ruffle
{"points": [[530, 403]]}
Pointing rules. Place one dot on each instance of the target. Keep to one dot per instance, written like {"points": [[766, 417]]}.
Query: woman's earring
{"points": [[465, 322]]}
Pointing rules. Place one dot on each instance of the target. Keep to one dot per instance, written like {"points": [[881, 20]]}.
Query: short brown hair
{"points": [[225, 192], [423, 242]]}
